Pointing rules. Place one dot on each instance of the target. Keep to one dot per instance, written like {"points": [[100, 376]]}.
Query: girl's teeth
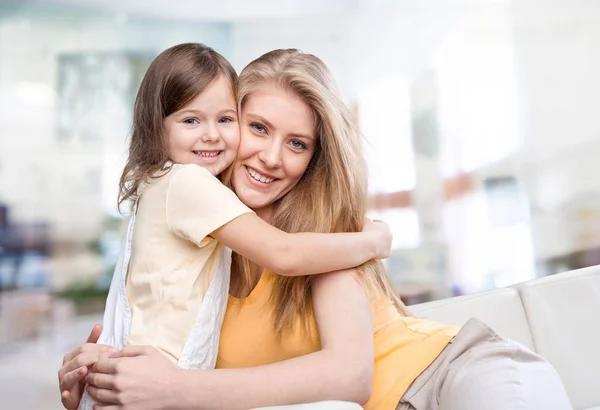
{"points": [[207, 154]]}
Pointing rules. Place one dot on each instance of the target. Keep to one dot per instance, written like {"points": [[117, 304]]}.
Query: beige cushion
{"points": [[512, 323], [564, 317], [557, 316]]}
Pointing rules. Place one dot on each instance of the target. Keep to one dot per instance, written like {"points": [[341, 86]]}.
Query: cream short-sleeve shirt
{"points": [[173, 257]]}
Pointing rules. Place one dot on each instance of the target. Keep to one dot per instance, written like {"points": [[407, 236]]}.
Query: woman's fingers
{"points": [[101, 380], [105, 407], [102, 395], [133, 351], [106, 366]]}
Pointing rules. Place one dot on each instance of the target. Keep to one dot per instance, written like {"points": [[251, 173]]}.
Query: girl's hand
{"points": [[76, 366], [136, 378], [381, 235]]}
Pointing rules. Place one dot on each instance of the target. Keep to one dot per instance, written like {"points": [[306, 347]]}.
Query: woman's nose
{"points": [[271, 155]]}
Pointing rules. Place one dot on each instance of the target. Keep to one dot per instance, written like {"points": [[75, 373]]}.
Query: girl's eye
{"points": [[258, 127], [191, 121], [297, 144], [225, 120]]}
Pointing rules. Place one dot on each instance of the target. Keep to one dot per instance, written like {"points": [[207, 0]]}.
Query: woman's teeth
{"points": [[259, 177]]}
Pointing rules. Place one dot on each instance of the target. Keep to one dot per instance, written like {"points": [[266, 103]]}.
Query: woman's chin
{"points": [[252, 203], [259, 205]]}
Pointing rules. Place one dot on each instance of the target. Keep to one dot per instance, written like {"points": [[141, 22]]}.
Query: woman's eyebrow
{"points": [[261, 119], [302, 136], [266, 122]]}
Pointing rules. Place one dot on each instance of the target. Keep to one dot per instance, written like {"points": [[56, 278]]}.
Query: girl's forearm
{"points": [[312, 253]]}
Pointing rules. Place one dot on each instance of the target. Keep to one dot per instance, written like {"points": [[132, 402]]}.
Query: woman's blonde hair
{"points": [[331, 196]]}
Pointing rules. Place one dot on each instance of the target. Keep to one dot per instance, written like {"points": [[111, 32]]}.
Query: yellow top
{"points": [[404, 347], [173, 259]]}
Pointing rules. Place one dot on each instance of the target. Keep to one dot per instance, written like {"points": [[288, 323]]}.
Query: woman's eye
{"points": [[297, 144], [258, 127], [191, 121]]}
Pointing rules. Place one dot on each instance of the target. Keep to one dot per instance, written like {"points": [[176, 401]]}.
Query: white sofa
{"points": [[557, 316]]}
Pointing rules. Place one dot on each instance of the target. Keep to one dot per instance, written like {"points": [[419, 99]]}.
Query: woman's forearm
{"points": [[314, 377], [341, 370]]}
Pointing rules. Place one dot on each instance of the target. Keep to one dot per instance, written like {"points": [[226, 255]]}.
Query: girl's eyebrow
{"points": [[196, 112], [228, 111]]}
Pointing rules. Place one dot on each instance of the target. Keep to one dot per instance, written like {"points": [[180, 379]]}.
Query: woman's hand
{"points": [[75, 367], [381, 235], [136, 378]]}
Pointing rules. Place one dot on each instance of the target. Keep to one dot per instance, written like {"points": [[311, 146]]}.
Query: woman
{"points": [[342, 335]]}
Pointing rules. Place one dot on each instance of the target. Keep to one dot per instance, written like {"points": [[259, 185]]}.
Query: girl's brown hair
{"points": [[331, 195], [175, 77]]}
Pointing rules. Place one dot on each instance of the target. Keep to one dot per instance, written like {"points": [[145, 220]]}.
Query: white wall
{"points": [[358, 47], [559, 66], [40, 178], [555, 64]]}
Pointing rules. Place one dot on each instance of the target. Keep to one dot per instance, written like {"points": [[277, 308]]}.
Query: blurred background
{"points": [[481, 121]]}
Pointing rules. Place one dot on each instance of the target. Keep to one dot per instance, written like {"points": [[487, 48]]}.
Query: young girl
{"points": [[171, 286]]}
